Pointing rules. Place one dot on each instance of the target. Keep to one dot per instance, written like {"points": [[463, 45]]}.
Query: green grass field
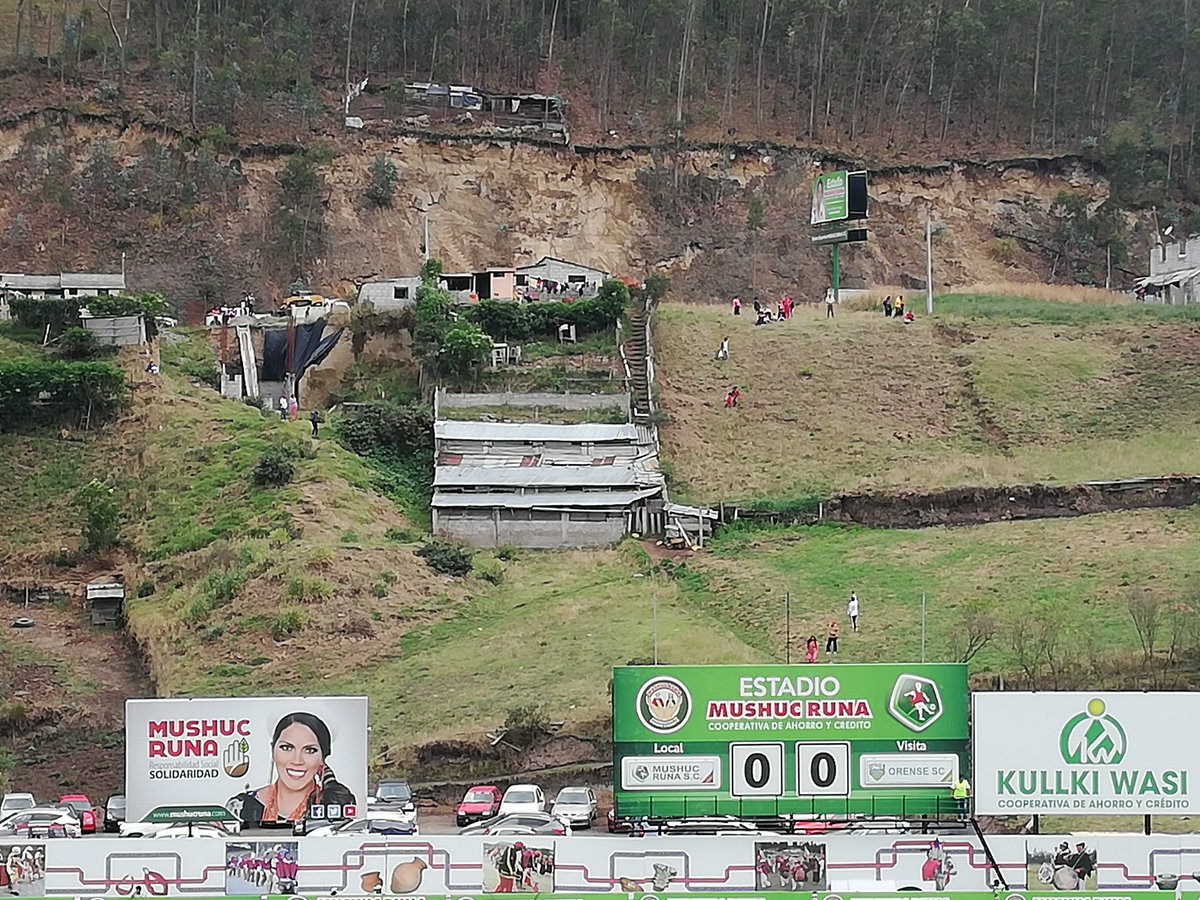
{"points": [[991, 390]]}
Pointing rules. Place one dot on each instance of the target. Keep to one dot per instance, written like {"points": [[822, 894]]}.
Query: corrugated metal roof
{"points": [[18, 282], [540, 476], [548, 500], [532, 433], [1179, 276], [93, 280], [566, 262]]}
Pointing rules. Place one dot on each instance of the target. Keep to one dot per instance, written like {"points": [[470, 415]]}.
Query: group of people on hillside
{"points": [[763, 312], [812, 647], [896, 310]]}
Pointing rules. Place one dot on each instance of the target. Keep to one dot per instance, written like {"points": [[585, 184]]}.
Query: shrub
{"points": [[490, 570], [403, 534], [289, 621], [381, 188], [465, 350], [274, 468], [446, 558], [145, 588], [78, 343], [101, 516], [524, 726], [197, 610], [33, 391], [60, 313], [505, 321], [307, 590], [379, 589], [399, 429]]}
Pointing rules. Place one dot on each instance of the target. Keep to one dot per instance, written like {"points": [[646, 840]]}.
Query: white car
{"points": [[576, 805], [15, 802], [378, 822], [153, 829], [41, 821], [196, 830], [523, 798]]}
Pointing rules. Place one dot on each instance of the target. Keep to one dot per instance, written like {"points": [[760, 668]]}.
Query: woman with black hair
{"points": [[300, 749]]}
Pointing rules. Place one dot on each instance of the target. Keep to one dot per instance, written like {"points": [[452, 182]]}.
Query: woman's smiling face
{"points": [[297, 756]]}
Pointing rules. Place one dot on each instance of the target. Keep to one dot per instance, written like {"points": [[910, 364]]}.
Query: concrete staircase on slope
{"points": [[637, 356]]}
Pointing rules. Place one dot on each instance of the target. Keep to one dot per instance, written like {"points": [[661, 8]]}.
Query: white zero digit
{"points": [[756, 770], [823, 770]]}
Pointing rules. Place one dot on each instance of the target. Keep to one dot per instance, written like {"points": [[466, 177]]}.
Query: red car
{"points": [[82, 807], [480, 802]]}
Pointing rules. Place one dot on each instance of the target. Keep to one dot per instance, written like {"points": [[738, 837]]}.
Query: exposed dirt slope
{"points": [[630, 211]]}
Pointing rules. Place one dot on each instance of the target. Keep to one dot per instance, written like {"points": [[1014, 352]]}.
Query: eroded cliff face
{"points": [[198, 224]]}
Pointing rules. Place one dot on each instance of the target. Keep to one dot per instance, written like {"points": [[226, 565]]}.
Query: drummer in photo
{"points": [[1084, 865]]}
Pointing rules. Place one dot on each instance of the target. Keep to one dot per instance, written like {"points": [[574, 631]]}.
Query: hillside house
{"points": [[575, 277], [394, 293], [542, 486], [1174, 271], [67, 284]]}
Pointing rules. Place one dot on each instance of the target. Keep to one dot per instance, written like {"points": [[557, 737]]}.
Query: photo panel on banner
{"points": [[790, 866], [261, 867], [519, 866], [266, 760], [22, 869]]}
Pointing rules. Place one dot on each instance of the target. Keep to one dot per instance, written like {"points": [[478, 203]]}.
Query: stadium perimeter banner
{"points": [[779, 895], [803, 740], [264, 759], [1085, 753]]}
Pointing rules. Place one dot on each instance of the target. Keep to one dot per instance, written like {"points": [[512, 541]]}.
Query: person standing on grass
{"points": [[737, 306], [852, 611], [314, 418], [283, 409], [887, 306], [829, 304], [723, 351], [831, 637], [812, 648]]}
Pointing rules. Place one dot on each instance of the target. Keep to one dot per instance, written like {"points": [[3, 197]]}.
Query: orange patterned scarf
{"points": [[271, 805]]}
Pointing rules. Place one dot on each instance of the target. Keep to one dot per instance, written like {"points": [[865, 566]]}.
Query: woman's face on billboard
{"points": [[297, 756]]}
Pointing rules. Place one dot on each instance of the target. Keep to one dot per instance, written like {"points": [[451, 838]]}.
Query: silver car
{"points": [[576, 805]]}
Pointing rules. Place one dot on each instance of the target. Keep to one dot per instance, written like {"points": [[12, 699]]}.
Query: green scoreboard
{"points": [[885, 740]]}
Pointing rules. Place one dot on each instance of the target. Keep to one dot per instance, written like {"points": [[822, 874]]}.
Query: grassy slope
{"points": [[990, 390]]}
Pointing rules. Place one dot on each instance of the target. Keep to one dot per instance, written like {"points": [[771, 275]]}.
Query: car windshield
{"points": [[478, 797], [11, 803], [77, 806], [394, 792], [115, 803], [569, 796], [521, 796]]}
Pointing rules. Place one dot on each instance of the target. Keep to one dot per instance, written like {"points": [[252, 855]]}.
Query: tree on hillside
{"points": [[756, 221], [382, 177]]}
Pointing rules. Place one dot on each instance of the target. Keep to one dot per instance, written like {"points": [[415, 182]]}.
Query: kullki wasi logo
{"points": [[916, 702], [664, 704], [1092, 737]]}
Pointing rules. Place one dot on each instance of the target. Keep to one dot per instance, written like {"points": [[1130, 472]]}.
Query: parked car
{"points": [[393, 795], [618, 825], [193, 829], [480, 802], [15, 802], [41, 821], [83, 809], [577, 805], [114, 813], [523, 798], [536, 822], [374, 823]]}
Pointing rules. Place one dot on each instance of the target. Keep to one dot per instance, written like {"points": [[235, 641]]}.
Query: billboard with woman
{"points": [[264, 760]]}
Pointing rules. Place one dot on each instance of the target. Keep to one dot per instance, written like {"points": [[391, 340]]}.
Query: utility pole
{"points": [[425, 216], [928, 265], [837, 276]]}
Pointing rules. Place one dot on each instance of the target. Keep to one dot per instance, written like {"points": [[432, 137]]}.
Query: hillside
{"points": [[990, 390], [204, 222]]}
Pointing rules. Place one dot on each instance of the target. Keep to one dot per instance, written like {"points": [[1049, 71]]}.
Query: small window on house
{"points": [[604, 460], [576, 279], [103, 292], [589, 516], [528, 461], [545, 515], [514, 515], [522, 280], [450, 459], [400, 293]]}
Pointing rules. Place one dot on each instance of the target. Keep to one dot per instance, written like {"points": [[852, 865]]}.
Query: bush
{"points": [[524, 726], [403, 534], [446, 558], [381, 189], [490, 570], [78, 343], [289, 621], [512, 321], [274, 468], [101, 516], [60, 313], [308, 590], [376, 427], [145, 588], [465, 350], [34, 391]]}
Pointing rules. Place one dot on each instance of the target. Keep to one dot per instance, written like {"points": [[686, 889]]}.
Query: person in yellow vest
{"points": [[961, 792]]}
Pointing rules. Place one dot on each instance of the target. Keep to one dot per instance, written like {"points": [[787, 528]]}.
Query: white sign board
{"points": [[264, 759], [1092, 753]]}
